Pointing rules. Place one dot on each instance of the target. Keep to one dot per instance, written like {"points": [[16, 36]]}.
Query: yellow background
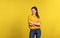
{"points": [[14, 15]]}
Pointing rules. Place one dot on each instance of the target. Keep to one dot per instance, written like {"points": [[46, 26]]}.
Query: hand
{"points": [[31, 24]]}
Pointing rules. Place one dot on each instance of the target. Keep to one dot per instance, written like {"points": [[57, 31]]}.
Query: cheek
{"points": [[35, 11], [32, 11]]}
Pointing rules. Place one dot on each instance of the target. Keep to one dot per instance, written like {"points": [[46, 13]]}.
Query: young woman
{"points": [[34, 23]]}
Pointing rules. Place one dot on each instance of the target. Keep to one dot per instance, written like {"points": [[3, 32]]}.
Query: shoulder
{"points": [[39, 19]]}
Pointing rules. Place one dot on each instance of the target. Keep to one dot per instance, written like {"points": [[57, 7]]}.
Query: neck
{"points": [[33, 14]]}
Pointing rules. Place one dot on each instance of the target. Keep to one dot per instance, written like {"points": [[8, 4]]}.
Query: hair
{"points": [[36, 11]]}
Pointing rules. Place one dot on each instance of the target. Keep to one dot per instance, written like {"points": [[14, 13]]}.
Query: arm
{"points": [[30, 22], [37, 23]]}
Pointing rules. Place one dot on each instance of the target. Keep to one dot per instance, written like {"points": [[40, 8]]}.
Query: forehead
{"points": [[33, 9]]}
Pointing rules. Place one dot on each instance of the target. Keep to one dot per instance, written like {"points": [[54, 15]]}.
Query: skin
{"points": [[30, 22]]}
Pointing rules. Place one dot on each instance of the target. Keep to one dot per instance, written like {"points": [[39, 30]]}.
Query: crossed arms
{"points": [[31, 23]]}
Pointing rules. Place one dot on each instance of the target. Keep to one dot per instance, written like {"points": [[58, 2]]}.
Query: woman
{"points": [[34, 23]]}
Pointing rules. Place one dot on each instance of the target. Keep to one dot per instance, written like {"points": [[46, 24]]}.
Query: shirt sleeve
{"points": [[39, 20]]}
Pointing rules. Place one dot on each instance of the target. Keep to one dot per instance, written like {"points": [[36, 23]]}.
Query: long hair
{"points": [[36, 11]]}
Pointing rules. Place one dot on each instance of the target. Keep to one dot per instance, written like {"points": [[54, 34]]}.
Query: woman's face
{"points": [[33, 11]]}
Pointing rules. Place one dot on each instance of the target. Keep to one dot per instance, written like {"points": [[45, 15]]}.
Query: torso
{"points": [[33, 19]]}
